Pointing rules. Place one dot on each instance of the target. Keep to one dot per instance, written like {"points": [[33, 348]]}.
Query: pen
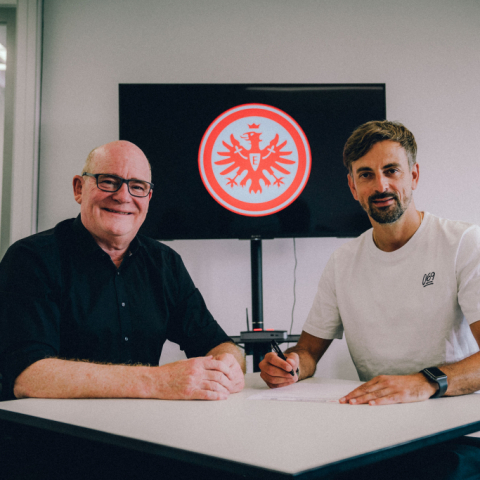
{"points": [[277, 350]]}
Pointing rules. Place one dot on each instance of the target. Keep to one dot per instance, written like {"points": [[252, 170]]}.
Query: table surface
{"points": [[272, 438]]}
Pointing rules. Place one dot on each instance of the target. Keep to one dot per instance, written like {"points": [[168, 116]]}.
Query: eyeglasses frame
{"points": [[123, 180]]}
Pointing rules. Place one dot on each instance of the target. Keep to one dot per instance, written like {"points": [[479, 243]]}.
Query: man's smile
{"points": [[382, 199], [117, 211], [383, 202]]}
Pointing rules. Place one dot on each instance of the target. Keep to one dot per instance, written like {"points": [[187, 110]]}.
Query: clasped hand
{"points": [[203, 378]]}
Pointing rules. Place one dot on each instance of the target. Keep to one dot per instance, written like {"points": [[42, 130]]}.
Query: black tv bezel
{"points": [[360, 214]]}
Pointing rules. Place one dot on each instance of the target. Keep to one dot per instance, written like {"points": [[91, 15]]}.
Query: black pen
{"points": [[277, 350]]}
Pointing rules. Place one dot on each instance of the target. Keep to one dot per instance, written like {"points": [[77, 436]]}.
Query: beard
{"points": [[388, 214]]}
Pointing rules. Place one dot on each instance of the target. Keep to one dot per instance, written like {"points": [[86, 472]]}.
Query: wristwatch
{"points": [[436, 375]]}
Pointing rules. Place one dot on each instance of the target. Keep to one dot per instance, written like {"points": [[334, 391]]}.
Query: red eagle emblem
{"points": [[255, 160]]}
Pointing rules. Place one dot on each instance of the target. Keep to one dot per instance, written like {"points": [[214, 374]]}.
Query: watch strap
{"points": [[436, 375]]}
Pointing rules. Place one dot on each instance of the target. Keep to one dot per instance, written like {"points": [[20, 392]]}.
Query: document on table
{"points": [[308, 392]]}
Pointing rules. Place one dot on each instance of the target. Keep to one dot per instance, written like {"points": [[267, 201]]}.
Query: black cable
{"points": [[294, 286]]}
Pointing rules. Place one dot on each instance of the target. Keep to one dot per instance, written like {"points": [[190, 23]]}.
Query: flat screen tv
{"points": [[248, 160]]}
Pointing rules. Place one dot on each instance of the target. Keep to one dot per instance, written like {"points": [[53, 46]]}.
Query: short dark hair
{"points": [[367, 135]]}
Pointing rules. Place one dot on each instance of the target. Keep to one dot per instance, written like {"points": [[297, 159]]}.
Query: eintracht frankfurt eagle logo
{"points": [[254, 160]]}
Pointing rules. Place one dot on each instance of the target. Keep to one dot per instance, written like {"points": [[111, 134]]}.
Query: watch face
{"points": [[436, 372]]}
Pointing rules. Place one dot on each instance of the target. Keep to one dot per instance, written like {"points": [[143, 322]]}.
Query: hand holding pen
{"points": [[277, 350], [274, 368]]}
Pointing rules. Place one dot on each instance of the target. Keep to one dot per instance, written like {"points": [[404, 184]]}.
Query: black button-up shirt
{"points": [[62, 296]]}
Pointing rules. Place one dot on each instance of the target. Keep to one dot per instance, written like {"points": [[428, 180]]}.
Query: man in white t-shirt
{"points": [[406, 293]]}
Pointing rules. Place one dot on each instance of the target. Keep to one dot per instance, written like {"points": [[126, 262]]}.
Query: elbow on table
{"points": [[25, 384], [20, 388]]}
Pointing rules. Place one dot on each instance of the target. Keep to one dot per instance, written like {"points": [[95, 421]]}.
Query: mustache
{"points": [[382, 196]]}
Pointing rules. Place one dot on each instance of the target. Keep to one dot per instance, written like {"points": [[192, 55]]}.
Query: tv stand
{"points": [[257, 282], [258, 341]]}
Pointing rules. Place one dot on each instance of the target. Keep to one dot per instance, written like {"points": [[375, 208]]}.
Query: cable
{"points": [[294, 285]]}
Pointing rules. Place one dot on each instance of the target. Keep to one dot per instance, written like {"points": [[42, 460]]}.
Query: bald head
{"points": [[119, 150], [113, 217]]}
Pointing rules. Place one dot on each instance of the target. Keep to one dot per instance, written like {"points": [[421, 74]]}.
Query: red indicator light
{"points": [[270, 329], [257, 330]]}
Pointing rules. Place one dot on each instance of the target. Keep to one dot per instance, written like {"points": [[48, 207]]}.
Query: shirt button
{"points": [[123, 304], [126, 339], [118, 273]]}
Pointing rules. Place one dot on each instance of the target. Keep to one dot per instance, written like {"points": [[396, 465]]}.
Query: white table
{"points": [[272, 439]]}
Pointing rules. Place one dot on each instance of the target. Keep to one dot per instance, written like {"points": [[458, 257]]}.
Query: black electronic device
{"points": [[169, 122], [261, 336], [434, 374]]}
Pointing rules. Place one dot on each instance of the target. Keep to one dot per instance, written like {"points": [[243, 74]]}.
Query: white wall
{"points": [[426, 51]]}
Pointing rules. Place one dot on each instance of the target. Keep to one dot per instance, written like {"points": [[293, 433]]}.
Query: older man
{"points": [[86, 307]]}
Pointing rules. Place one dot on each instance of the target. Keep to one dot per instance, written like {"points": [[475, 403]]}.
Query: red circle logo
{"points": [[254, 160]]}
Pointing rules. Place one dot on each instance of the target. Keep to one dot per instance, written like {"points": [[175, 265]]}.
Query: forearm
{"points": [[229, 347], [202, 378], [310, 350], [464, 376], [308, 364], [55, 378]]}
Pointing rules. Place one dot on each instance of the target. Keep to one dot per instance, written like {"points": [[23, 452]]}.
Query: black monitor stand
{"points": [[258, 343], [257, 283], [258, 349]]}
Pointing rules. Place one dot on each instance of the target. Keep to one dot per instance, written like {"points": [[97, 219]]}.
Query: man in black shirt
{"points": [[86, 307]]}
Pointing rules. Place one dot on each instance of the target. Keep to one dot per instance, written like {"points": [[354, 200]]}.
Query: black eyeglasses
{"points": [[113, 183]]}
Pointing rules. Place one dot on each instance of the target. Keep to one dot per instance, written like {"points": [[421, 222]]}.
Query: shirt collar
{"points": [[88, 244]]}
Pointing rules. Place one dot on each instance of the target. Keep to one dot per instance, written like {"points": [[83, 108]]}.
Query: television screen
{"points": [[248, 161]]}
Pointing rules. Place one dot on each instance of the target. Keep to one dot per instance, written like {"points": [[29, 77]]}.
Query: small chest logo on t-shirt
{"points": [[428, 279]]}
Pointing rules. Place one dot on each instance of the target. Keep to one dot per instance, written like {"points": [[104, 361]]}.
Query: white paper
{"points": [[307, 392]]}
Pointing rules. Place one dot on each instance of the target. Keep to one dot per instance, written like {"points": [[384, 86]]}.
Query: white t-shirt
{"points": [[405, 310]]}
